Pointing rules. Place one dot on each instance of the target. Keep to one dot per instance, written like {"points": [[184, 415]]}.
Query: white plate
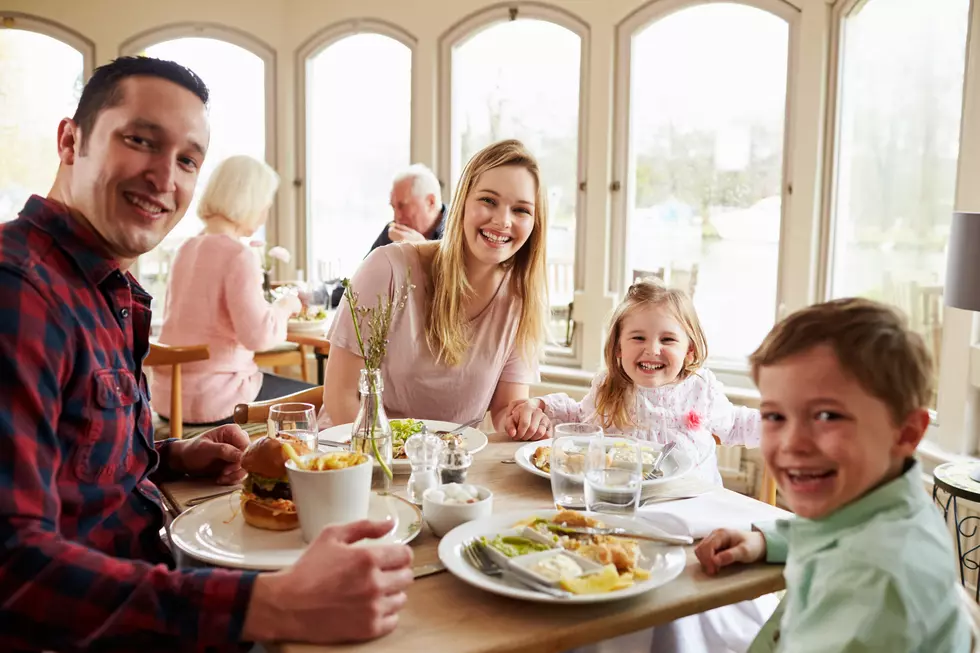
{"points": [[664, 562], [473, 439], [678, 464], [216, 533], [307, 326]]}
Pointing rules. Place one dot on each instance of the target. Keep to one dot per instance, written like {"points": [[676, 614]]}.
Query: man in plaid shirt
{"points": [[82, 563]]}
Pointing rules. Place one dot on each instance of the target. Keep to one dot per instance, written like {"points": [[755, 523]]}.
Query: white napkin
{"points": [[719, 509]]}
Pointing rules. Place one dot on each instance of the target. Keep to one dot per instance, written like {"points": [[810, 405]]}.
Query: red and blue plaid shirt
{"points": [[82, 564]]}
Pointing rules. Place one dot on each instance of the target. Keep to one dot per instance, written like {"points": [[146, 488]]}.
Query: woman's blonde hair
{"points": [[616, 393], [446, 330], [240, 189]]}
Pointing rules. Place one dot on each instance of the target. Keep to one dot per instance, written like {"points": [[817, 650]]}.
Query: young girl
{"points": [[654, 383], [655, 386]]}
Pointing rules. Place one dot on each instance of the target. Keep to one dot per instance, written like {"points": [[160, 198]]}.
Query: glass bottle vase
{"points": [[371, 433]]}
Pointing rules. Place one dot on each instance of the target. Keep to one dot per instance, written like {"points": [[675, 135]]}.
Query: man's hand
{"points": [[216, 453], [526, 420], [335, 592], [725, 546], [399, 233]]}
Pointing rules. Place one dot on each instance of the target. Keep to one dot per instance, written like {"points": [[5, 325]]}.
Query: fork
{"points": [[475, 554], [655, 472]]}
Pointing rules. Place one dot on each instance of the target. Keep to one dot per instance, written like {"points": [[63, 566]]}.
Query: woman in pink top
{"points": [[468, 337], [214, 297]]}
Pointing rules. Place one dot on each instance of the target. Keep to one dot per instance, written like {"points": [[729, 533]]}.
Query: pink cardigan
{"points": [[214, 297]]}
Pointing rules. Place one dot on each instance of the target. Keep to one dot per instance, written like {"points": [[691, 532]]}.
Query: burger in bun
{"points": [[267, 500]]}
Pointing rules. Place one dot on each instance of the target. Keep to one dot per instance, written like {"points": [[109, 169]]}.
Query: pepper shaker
{"points": [[423, 452], [454, 462]]}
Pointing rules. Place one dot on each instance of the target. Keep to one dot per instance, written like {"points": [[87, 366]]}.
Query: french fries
{"points": [[324, 462]]}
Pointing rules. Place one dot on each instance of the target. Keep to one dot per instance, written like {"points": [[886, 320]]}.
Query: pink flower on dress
{"points": [[693, 421]]}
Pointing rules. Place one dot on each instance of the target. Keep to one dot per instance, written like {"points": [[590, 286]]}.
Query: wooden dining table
{"points": [[445, 614]]}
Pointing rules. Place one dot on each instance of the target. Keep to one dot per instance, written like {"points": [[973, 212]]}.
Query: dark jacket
{"points": [[383, 239]]}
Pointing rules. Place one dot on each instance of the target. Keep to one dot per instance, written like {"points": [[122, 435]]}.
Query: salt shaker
{"points": [[423, 452], [454, 462]]}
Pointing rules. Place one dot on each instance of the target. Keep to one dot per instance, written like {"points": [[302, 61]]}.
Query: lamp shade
{"points": [[963, 262]]}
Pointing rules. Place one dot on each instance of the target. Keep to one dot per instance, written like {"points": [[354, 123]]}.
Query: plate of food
{"points": [[589, 568], [257, 528], [473, 440], [311, 319], [535, 457]]}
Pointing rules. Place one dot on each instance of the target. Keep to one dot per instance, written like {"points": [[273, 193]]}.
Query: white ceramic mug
{"points": [[331, 496]]}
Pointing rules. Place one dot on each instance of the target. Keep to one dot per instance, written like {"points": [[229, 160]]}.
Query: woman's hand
{"points": [[290, 302], [725, 546], [526, 420]]}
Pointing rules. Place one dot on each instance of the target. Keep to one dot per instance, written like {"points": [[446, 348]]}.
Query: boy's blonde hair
{"points": [[240, 189], [616, 393], [872, 342], [446, 330]]}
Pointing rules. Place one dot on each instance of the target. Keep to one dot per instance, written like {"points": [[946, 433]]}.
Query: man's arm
{"points": [[61, 595]]}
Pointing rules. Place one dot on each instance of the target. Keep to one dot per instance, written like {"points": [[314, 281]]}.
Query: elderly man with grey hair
{"points": [[419, 213]]}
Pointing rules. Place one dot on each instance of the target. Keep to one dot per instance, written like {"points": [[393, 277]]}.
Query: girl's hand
{"points": [[726, 546], [526, 420]]}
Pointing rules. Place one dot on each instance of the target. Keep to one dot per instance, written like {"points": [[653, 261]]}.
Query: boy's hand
{"points": [[526, 420], [726, 546]]}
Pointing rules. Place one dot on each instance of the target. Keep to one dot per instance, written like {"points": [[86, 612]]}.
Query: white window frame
{"points": [[466, 29], [68, 36], [313, 46], [956, 421], [731, 372], [143, 40]]}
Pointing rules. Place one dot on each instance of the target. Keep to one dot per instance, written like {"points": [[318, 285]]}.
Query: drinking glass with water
{"points": [[569, 449], [613, 475], [295, 419]]}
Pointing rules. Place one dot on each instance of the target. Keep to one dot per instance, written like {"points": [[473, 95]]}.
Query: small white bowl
{"points": [[330, 496], [443, 517]]}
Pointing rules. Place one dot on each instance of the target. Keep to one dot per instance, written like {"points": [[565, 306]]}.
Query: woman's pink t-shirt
{"points": [[415, 385]]}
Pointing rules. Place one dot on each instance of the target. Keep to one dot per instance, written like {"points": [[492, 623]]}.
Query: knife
{"points": [[427, 570], [621, 532], [459, 429]]}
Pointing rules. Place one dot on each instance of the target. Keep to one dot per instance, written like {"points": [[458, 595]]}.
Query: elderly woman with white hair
{"points": [[215, 297]]}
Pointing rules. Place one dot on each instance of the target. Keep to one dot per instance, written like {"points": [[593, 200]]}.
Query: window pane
{"points": [[236, 79], [359, 122], [707, 109], [901, 97], [501, 91], [53, 71]]}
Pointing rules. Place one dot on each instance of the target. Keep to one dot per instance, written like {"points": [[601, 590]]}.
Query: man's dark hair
{"points": [[102, 90]]}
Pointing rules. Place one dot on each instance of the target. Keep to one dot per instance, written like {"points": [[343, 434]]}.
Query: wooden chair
{"points": [[767, 486], [175, 357], [283, 355], [258, 411]]}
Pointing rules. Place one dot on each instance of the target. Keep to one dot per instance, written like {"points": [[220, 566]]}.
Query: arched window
{"points": [[704, 100], [897, 141], [358, 113], [517, 73], [237, 70], [43, 68]]}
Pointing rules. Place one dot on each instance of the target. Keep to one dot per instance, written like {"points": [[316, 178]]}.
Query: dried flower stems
{"points": [[378, 324]]}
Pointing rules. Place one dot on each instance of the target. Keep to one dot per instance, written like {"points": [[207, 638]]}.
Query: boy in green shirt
{"points": [[869, 562]]}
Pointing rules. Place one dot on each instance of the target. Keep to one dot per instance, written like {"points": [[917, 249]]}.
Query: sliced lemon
{"points": [[600, 582], [625, 580], [639, 573]]}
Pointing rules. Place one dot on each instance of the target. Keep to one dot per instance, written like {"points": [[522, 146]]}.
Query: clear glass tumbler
{"points": [[569, 449]]}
